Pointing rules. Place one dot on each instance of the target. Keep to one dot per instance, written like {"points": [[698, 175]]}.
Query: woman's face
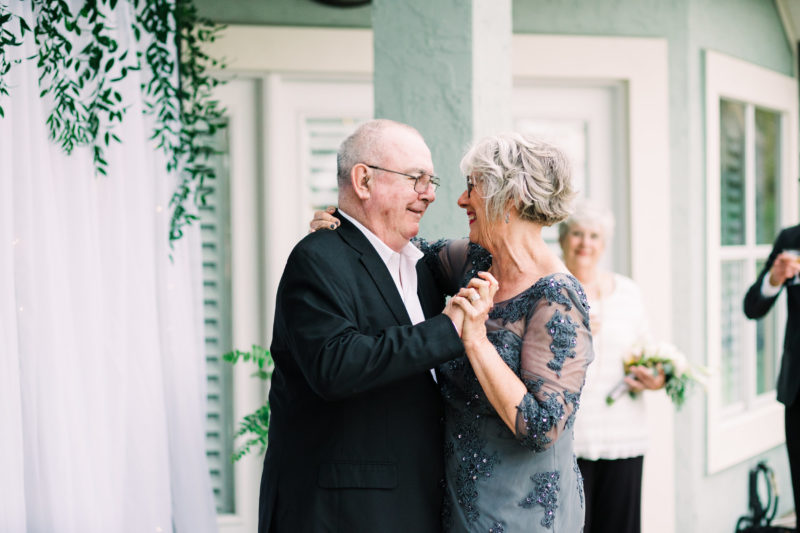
{"points": [[472, 202], [583, 246]]}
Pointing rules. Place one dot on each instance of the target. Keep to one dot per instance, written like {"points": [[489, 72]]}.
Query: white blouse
{"points": [[613, 431]]}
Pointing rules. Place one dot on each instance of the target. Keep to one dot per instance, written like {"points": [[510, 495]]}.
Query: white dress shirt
{"points": [[403, 269], [767, 289]]}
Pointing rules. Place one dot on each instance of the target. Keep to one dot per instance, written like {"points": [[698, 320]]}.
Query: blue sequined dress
{"points": [[498, 481]]}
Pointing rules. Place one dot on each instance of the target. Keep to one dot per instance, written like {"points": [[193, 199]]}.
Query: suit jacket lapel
{"points": [[375, 268]]}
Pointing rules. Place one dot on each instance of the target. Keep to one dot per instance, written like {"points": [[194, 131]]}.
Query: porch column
{"points": [[444, 67]]}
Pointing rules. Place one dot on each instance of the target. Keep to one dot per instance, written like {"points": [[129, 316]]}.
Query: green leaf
{"points": [[109, 64]]}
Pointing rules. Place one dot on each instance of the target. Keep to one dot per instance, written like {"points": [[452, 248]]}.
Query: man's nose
{"points": [[429, 195]]}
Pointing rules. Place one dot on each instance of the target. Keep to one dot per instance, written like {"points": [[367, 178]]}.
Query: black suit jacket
{"points": [[756, 306], [355, 439]]}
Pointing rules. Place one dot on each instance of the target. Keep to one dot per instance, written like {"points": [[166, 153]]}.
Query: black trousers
{"points": [[793, 448], [613, 491]]}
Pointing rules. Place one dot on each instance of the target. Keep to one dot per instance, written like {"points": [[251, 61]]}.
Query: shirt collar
{"points": [[409, 251]]}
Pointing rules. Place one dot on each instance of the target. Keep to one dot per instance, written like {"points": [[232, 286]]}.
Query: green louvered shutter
{"points": [[323, 136], [215, 231]]}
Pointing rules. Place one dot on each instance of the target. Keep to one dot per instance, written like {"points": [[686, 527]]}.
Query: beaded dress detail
{"points": [[527, 480]]}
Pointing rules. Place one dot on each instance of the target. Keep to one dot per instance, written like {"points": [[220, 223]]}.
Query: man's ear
{"points": [[359, 180]]}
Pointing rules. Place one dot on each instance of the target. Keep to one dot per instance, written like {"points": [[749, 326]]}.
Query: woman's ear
{"points": [[359, 180]]}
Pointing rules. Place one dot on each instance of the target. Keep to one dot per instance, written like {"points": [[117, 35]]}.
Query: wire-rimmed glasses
{"points": [[470, 186], [421, 182]]}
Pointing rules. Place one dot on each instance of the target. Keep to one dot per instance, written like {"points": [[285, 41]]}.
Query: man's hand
{"points": [[786, 265], [324, 220], [456, 315]]}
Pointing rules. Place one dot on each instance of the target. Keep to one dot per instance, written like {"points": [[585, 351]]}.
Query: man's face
{"points": [[394, 208]]}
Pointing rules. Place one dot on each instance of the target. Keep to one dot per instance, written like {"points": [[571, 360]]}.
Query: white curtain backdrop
{"points": [[102, 377]]}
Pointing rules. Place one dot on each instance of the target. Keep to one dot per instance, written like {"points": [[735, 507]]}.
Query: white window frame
{"points": [[736, 433], [247, 325]]}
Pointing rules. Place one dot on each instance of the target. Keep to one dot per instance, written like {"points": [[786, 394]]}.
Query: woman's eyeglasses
{"points": [[470, 186]]}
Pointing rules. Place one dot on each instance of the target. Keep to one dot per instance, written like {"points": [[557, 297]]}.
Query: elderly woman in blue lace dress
{"points": [[511, 401]]}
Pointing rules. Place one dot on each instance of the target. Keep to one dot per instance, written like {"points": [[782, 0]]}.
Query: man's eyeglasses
{"points": [[421, 182]]}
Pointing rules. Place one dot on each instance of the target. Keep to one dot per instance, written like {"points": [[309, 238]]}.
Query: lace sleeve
{"points": [[556, 350], [453, 262]]}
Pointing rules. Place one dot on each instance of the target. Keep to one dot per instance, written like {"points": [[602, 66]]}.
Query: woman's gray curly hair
{"points": [[528, 173]]}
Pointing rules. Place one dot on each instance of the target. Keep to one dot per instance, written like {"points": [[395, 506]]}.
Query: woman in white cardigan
{"points": [[610, 440]]}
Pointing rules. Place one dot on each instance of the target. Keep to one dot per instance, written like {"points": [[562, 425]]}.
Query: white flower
{"points": [[679, 363], [650, 349]]}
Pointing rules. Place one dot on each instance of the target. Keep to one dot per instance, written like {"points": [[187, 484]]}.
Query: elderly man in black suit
{"points": [[355, 441], [781, 269]]}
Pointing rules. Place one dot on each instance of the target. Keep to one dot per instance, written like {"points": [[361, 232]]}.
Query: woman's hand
{"points": [[475, 300], [646, 378], [324, 220]]}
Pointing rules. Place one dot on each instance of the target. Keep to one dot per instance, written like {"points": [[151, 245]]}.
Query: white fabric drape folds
{"points": [[102, 377]]}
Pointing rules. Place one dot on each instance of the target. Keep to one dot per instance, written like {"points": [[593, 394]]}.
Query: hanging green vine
{"points": [[12, 31], [85, 104], [83, 83]]}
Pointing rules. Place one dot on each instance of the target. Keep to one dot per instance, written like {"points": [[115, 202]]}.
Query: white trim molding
{"points": [[736, 433]]}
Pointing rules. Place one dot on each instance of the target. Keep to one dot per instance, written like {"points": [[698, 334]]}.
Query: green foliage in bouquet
{"points": [[679, 374], [677, 385], [255, 426]]}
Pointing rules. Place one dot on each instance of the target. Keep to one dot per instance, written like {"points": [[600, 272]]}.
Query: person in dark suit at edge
{"points": [[355, 439], [781, 269]]}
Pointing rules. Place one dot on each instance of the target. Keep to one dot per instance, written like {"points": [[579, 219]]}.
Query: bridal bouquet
{"points": [[678, 372]]}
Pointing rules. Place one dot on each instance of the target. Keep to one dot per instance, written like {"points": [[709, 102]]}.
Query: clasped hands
{"points": [[469, 308]]}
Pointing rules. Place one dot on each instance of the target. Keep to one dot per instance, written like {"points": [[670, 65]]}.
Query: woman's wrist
{"points": [[476, 345]]}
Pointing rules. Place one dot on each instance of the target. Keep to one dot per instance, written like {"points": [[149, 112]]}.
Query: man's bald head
{"points": [[365, 145]]}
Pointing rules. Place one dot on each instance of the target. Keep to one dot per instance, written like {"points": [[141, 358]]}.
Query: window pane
{"points": [[732, 330], [215, 234], [768, 141], [767, 346], [732, 172]]}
